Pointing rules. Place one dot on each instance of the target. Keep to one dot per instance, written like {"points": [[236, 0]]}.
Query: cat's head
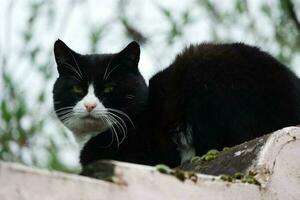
{"points": [[97, 92]]}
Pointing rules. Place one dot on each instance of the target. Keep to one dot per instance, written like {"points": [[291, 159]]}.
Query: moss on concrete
{"points": [[210, 155], [241, 177], [179, 174], [229, 161]]}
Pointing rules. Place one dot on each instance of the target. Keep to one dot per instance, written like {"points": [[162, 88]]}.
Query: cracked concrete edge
{"points": [[20, 168], [266, 159], [276, 169], [133, 182], [236, 159]]}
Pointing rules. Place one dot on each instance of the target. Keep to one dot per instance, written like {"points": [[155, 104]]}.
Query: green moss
{"points": [[163, 169], [226, 148], [213, 152], [252, 173], [179, 174], [195, 159], [226, 178], [193, 176], [250, 180], [198, 168], [210, 155], [244, 178], [238, 175]]}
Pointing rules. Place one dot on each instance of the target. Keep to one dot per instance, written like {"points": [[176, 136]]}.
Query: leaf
{"points": [[6, 115]]}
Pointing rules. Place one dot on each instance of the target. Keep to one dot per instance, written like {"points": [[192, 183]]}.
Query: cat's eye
{"points": [[77, 89], [108, 89]]}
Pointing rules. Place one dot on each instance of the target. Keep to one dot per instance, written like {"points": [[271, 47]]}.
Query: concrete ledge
{"points": [[277, 165]]}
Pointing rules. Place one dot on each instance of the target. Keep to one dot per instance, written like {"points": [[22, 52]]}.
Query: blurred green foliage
{"points": [[23, 121]]}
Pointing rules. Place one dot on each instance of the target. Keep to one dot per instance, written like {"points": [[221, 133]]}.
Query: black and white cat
{"points": [[102, 99], [211, 96]]}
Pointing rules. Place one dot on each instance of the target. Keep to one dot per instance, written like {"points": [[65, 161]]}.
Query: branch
{"points": [[292, 13]]}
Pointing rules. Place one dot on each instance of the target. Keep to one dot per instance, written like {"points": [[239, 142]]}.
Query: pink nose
{"points": [[89, 106]]}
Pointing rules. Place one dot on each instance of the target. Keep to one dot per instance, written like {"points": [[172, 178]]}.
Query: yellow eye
{"points": [[108, 89], [77, 89]]}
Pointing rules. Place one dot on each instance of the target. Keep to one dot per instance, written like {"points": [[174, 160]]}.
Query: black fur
{"points": [[226, 93], [126, 80]]}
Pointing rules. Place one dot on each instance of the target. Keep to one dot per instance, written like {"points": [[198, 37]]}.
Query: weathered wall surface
{"points": [[277, 165]]}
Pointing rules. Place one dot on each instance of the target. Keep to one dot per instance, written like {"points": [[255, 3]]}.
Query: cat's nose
{"points": [[90, 106]]}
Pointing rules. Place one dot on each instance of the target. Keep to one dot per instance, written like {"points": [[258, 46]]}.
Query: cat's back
{"points": [[229, 88], [224, 66], [219, 95], [209, 61]]}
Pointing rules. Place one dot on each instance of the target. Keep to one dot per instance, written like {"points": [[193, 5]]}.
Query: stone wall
{"points": [[273, 162]]}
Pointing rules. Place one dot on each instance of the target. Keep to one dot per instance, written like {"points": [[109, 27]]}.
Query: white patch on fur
{"points": [[84, 124], [81, 139], [184, 143]]}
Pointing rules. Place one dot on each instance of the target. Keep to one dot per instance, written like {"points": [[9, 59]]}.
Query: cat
{"points": [[211, 96], [102, 99]]}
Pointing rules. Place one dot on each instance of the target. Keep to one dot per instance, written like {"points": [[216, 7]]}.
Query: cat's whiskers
{"points": [[121, 113], [115, 123], [76, 64], [62, 115], [120, 128], [118, 121], [111, 71], [63, 108], [77, 79], [64, 111], [115, 132], [112, 117], [107, 68], [105, 118], [121, 125], [66, 116], [57, 111], [129, 96], [72, 68], [110, 122]]}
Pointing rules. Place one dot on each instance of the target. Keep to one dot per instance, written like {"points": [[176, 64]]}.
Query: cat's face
{"points": [[94, 93]]}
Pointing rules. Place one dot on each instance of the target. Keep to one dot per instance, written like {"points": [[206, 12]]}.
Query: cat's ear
{"points": [[130, 55], [64, 57]]}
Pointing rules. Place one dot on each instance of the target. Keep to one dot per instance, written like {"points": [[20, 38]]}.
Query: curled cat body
{"points": [[211, 96]]}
